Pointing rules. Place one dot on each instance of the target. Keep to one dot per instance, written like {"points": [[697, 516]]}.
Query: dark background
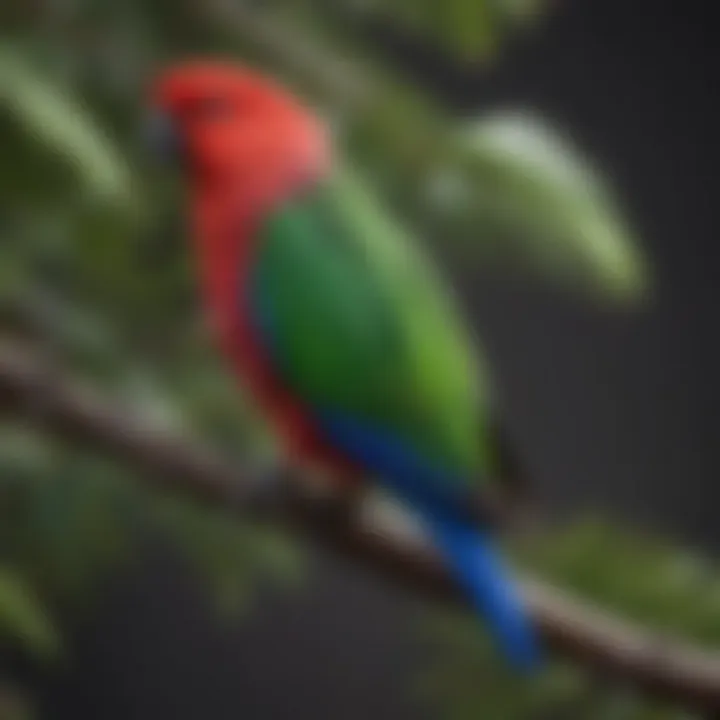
{"points": [[611, 412]]}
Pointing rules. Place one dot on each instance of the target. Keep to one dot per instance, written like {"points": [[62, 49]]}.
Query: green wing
{"points": [[361, 325]]}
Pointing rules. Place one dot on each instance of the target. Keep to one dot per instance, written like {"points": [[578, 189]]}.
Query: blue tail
{"points": [[478, 567], [467, 550]]}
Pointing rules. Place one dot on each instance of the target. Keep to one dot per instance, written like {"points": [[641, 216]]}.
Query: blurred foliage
{"points": [[96, 271], [644, 578], [61, 153], [548, 206], [467, 682], [675, 590], [22, 615], [13, 706], [467, 30]]}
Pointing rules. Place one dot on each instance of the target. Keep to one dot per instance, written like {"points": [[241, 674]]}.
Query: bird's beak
{"points": [[162, 138]]}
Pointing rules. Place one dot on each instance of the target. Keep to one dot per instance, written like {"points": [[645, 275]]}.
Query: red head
{"points": [[231, 125]]}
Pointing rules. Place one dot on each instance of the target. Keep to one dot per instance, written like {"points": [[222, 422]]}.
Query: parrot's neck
{"points": [[226, 230], [229, 210]]}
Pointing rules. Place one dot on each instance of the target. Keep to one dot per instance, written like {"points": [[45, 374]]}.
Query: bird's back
{"points": [[360, 325]]}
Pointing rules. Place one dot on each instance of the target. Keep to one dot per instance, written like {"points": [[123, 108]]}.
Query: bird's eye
{"points": [[208, 107]]}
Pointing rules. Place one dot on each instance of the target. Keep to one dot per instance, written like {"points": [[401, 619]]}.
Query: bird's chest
{"points": [[228, 256], [232, 316]]}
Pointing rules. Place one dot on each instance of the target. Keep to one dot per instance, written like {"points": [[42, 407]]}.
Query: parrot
{"points": [[335, 319]]}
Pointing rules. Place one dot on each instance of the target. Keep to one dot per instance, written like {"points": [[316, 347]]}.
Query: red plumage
{"points": [[282, 157]]}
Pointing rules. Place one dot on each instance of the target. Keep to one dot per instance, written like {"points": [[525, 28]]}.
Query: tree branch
{"points": [[655, 664]]}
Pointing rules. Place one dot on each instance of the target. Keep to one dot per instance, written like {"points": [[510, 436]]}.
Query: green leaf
{"points": [[22, 617], [677, 591], [52, 146], [527, 200], [467, 28]]}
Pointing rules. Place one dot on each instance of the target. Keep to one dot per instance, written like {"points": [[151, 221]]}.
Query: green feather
{"points": [[363, 324]]}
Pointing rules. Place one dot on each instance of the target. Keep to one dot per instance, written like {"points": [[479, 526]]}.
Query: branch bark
{"points": [[607, 645]]}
